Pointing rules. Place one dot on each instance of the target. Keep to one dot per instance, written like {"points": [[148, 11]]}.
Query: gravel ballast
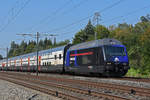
{"points": [[102, 80], [11, 91], [96, 79], [92, 79]]}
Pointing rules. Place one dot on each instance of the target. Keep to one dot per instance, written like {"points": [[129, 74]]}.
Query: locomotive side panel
{"points": [[86, 61], [112, 61]]}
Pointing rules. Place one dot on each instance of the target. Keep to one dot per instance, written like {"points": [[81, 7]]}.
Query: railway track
{"points": [[137, 79], [44, 90], [38, 83], [107, 86], [90, 85]]}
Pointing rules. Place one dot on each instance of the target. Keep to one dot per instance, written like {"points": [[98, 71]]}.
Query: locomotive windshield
{"points": [[114, 51]]}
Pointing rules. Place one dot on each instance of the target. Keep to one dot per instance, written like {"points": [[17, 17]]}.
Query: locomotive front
{"points": [[116, 60]]}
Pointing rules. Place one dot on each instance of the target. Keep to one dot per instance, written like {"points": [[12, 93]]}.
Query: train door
{"points": [[21, 65], [28, 63], [100, 56], [39, 67]]}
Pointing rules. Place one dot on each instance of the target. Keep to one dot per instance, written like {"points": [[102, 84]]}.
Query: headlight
{"points": [[108, 63]]}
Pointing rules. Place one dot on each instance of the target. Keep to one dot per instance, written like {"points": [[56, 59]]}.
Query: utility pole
{"points": [[96, 20], [7, 56], [37, 46], [54, 41], [6, 49]]}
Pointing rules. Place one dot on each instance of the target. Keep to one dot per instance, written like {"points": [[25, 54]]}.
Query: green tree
{"points": [[13, 49], [61, 43], [80, 37], [89, 29], [47, 43], [145, 18], [84, 34], [41, 45], [102, 32], [31, 47], [145, 45], [22, 47], [1, 57]]}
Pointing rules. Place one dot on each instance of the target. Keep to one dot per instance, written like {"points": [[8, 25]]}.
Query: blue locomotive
{"points": [[107, 57]]}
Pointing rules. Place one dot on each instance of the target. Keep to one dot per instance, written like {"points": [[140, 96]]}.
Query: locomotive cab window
{"points": [[114, 51]]}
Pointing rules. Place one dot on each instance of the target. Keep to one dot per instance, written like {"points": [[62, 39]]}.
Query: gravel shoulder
{"points": [[11, 91], [103, 80], [97, 79]]}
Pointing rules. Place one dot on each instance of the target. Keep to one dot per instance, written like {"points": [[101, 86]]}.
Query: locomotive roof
{"points": [[95, 43]]}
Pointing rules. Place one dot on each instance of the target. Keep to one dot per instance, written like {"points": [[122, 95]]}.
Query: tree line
{"points": [[31, 46], [135, 37]]}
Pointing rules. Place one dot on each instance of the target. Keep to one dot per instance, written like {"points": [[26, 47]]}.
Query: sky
{"points": [[62, 17]]}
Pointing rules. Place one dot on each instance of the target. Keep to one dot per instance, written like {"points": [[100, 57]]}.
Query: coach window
{"points": [[55, 57], [49, 63], [59, 56]]}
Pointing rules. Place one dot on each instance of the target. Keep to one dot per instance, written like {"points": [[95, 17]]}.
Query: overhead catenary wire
{"points": [[46, 18], [79, 21], [69, 11], [10, 12], [108, 7], [127, 14], [63, 34], [63, 13], [83, 19], [13, 18], [75, 6]]}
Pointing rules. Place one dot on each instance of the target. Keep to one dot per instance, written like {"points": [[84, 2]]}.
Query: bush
{"points": [[137, 73]]}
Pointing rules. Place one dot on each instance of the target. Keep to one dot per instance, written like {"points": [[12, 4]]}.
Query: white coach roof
{"points": [[95, 43]]}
